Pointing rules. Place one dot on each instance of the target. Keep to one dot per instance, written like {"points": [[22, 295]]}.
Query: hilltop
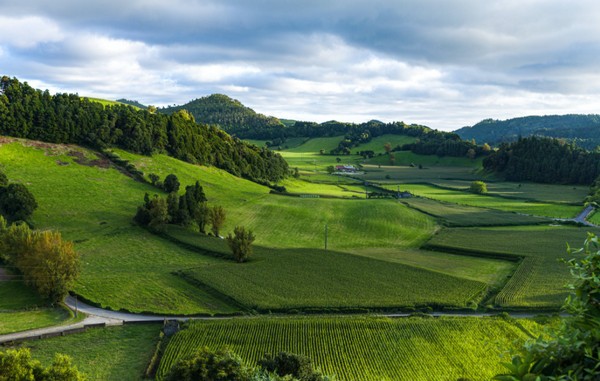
{"points": [[583, 130], [230, 114]]}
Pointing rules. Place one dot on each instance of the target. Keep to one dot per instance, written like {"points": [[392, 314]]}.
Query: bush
{"points": [[240, 243], [478, 187], [207, 365]]}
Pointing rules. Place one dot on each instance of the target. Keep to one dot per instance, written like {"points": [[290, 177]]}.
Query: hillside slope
{"points": [[230, 114], [584, 130]]}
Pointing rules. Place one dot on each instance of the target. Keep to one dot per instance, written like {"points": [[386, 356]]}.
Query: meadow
{"points": [[363, 348]]}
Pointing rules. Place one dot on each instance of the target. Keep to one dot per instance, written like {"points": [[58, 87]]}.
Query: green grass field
{"points": [[22, 309], [104, 354], [376, 144], [540, 280], [17, 321], [544, 209], [123, 266], [362, 349], [353, 224]]}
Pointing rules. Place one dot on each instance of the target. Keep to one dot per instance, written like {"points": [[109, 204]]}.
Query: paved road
{"points": [[97, 316], [581, 217]]}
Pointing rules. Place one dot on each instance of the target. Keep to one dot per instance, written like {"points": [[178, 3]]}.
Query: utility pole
{"points": [[325, 236]]}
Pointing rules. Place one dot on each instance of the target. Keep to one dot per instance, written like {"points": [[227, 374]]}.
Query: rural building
{"points": [[345, 168]]}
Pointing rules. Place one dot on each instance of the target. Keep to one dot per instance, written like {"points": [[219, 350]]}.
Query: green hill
{"points": [[583, 130], [230, 114]]}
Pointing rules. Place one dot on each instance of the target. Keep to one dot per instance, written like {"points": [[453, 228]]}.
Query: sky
{"points": [[445, 64]]}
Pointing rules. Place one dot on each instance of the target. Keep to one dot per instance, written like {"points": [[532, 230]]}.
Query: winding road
{"points": [[101, 317]]}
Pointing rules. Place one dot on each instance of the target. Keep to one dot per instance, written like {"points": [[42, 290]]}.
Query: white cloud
{"points": [[29, 31]]}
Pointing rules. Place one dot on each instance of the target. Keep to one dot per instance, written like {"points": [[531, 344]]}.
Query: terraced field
{"points": [[362, 349]]}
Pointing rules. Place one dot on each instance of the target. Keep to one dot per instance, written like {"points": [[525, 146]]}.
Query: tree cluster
{"points": [[47, 262], [17, 365], [188, 209], [544, 160], [224, 365], [68, 118], [445, 144]]}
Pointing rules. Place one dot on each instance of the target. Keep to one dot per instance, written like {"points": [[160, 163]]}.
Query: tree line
{"points": [[67, 118], [544, 160]]}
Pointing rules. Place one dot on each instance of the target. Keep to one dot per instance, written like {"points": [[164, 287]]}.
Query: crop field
{"points": [[300, 279], [406, 174], [465, 216], [362, 349], [528, 191], [486, 270], [104, 354], [483, 201], [540, 278]]}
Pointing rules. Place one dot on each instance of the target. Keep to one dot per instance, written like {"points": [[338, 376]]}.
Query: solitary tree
{"points": [[240, 243], [216, 217], [387, 147], [16, 202]]}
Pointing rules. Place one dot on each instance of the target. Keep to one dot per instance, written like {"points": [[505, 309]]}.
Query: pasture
{"points": [[363, 349]]}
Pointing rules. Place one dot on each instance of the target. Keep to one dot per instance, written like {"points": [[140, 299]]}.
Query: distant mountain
{"points": [[582, 130], [132, 103], [231, 115]]}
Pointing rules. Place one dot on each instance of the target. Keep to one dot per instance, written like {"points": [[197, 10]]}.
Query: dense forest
{"points": [[582, 130], [544, 160], [67, 118]]}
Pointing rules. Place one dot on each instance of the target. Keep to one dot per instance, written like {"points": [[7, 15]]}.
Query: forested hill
{"points": [[582, 130], [230, 115], [67, 118], [544, 160]]}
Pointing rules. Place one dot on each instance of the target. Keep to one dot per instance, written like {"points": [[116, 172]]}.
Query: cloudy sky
{"points": [[445, 63]]}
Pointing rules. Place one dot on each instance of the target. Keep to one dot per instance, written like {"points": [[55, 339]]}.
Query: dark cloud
{"points": [[446, 63]]}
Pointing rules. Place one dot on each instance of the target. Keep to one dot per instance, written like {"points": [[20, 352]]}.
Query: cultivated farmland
{"points": [[362, 349]]}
